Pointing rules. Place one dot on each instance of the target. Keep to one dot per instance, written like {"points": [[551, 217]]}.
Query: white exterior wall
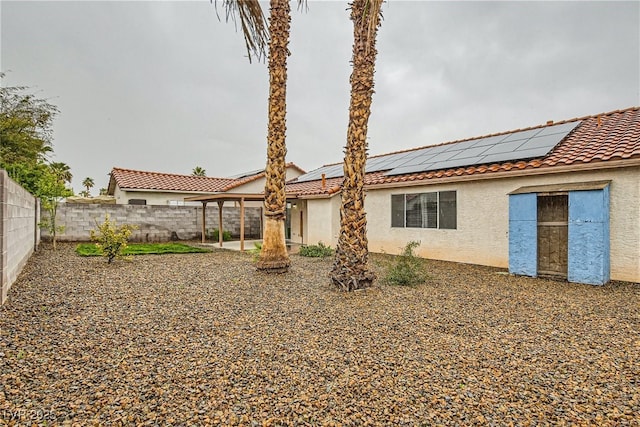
{"points": [[256, 186], [482, 230], [323, 221], [161, 198]]}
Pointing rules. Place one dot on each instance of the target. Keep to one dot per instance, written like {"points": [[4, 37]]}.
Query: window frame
{"points": [[424, 206]]}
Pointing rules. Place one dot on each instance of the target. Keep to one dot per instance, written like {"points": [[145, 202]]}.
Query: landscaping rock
{"points": [[205, 339]]}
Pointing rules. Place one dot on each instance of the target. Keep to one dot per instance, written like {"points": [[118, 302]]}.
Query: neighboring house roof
{"points": [[128, 179], [597, 141], [247, 177]]}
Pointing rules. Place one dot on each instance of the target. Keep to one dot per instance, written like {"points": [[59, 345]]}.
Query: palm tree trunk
{"points": [[274, 256], [350, 269]]}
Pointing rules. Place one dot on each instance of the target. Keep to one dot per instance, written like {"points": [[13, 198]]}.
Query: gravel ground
{"points": [[205, 339]]}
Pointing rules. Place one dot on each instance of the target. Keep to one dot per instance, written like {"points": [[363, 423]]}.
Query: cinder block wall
{"points": [[155, 223], [19, 233]]}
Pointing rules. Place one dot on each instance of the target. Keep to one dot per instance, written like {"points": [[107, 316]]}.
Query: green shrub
{"points": [[255, 252], [214, 235], [407, 268], [316, 251], [111, 239]]}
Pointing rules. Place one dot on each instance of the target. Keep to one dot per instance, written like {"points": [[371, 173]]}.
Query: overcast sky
{"points": [[166, 86]]}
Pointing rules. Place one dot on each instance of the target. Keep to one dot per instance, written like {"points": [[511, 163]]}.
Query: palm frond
{"points": [[252, 22]]}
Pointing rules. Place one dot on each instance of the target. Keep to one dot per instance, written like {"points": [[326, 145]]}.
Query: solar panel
{"points": [[330, 171], [519, 145], [470, 152], [521, 135], [463, 145], [505, 147], [490, 140], [562, 128]]}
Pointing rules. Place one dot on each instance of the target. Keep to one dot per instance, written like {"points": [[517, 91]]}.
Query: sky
{"points": [[166, 86]]}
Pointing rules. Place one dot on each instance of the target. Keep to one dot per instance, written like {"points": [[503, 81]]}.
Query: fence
{"points": [[19, 233], [155, 223]]}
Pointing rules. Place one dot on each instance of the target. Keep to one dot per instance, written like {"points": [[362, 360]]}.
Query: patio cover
{"points": [[220, 198]]}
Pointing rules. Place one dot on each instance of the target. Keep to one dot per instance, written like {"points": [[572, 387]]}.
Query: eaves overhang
{"points": [[591, 166]]}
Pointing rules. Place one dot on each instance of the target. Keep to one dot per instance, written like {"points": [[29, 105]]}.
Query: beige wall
{"points": [[323, 221], [161, 198], [481, 236], [256, 186]]}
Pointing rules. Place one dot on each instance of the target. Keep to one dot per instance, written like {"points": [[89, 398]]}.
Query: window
{"points": [[137, 201], [424, 210]]}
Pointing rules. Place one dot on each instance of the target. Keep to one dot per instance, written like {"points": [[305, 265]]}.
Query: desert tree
{"points": [[51, 190], [350, 269], [88, 183], [274, 256], [26, 134], [62, 171], [198, 171]]}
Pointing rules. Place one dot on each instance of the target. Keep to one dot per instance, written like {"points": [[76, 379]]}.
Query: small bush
{"points": [[407, 268], [255, 252], [316, 251], [111, 239], [214, 235]]}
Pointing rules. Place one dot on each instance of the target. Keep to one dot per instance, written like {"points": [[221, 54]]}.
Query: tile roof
{"points": [[255, 175], [598, 138], [129, 179], [142, 180]]}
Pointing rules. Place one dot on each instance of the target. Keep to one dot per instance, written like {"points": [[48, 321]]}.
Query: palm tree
{"points": [[350, 270], [273, 255], [198, 171], [88, 184], [62, 171]]}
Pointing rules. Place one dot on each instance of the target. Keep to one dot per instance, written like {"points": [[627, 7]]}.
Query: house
{"points": [[136, 187], [560, 199]]}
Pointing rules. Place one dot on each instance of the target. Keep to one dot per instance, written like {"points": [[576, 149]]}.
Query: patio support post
{"points": [[242, 224], [204, 219], [220, 232]]}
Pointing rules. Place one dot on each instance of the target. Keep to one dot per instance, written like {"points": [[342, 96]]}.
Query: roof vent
{"points": [[324, 181]]}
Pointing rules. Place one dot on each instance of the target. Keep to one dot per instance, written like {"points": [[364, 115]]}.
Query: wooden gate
{"points": [[553, 218]]}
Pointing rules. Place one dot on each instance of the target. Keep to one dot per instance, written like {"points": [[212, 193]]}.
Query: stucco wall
{"points": [[323, 221], [160, 198], [156, 223], [482, 234], [19, 234]]}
